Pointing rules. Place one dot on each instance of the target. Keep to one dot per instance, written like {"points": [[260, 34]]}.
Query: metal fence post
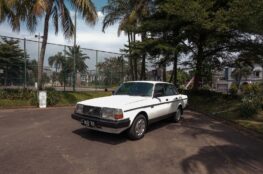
{"points": [[96, 76], [122, 69], [25, 71], [63, 69]]}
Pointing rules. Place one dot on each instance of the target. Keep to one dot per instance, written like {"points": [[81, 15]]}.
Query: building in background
{"points": [[222, 80]]}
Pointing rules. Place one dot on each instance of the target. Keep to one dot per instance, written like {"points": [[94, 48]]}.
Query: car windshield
{"points": [[135, 89]]}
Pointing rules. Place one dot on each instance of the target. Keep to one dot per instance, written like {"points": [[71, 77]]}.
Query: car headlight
{"points": [[110, 113], [79, 109]]}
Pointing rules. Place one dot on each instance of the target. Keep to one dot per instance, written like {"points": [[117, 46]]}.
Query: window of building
{"points": [[257, 74]]}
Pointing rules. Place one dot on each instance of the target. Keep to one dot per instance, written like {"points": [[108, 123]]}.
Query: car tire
{"points": [[178, 115], [138, 128]]}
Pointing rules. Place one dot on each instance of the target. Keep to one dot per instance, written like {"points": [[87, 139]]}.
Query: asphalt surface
{"points": [[50, 142]]}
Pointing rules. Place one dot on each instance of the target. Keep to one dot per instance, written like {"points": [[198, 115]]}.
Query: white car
{"points": [[132, 107]]}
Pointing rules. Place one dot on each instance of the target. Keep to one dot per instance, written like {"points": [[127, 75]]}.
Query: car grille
{"points": [[92, 111]]}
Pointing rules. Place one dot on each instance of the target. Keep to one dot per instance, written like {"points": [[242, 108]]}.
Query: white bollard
{"points": [[42, 99]]}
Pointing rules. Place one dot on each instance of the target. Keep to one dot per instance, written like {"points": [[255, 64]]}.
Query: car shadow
{"points": [[92, 135], [115, 139]]}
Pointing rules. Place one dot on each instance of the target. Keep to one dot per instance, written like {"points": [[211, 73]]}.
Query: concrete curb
{"points": [[36, 108]]}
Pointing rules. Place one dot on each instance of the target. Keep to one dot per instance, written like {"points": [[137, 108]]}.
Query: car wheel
{"points": [[178, 115], [138, 128]]}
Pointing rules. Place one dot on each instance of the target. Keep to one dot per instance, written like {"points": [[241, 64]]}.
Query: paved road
{"points": [[49, 142]]}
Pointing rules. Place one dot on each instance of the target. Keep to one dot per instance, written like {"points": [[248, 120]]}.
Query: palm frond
{"points": [[66, 21], [87, 10], [55, 19]]}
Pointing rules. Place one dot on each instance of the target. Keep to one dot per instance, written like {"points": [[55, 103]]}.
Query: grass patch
{"points": [[65, 99], [8, 103], [71, 98], [251, 124], [224, 107]]}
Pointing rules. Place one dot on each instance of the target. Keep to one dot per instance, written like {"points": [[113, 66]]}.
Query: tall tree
{"points": [[80, 58], [121, 11], [210, 30], [113, 70], [11, 61], [56, 61], [55, 10]]}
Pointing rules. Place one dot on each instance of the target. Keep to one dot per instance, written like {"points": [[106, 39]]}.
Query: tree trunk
{"points": [[199, 63], [164, 71], [175, 69], [135, 60], [130, 57], [199, 66], [43, 49], [143, 75], [6, 75], [172, 77]]}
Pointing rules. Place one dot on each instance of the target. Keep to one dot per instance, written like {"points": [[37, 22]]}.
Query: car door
{"points": [[172, 97], [160, 107]]}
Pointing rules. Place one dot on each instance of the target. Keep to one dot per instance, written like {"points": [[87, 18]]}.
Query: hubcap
{"points": [[140, 127], [178, 115]]}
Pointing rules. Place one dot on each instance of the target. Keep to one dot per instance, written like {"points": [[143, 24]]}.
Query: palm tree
{"points": [[121, 11], [15, 12], [80, 59], [129, 14], [56, 61], [55, 10], [143, 9]]}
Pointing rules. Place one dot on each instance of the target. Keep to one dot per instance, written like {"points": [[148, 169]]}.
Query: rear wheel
{"points": [[177, 116], [138, 128]]}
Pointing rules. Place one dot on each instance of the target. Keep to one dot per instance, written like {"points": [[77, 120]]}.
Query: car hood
{"points": [[115, 101]]}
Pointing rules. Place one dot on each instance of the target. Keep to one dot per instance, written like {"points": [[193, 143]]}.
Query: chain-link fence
{"points": [[65, 67]]}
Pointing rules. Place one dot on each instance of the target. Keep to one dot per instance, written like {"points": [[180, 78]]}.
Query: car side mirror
{"points": [[157, 94]]}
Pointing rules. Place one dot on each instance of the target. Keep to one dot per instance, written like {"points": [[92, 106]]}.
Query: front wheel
{"points": [[178, 115], [138, 128]]}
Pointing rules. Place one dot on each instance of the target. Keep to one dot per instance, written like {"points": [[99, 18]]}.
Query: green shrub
{"points": [[233, 89], [53, 98], [206, 87], [14, 94], [251, 89], [250, 106], [34, 99]]}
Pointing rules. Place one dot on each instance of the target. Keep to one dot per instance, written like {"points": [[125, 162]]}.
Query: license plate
{"points": [[88, 123]]}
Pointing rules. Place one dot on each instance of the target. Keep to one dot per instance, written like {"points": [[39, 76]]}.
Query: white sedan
{"points": [[132, 107]]}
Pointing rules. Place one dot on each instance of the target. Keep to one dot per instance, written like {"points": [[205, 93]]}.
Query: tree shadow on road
{"points": [[227, 150], [222, 158]]}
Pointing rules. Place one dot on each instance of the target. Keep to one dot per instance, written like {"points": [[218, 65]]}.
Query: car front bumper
{"points": [[104, 125]]}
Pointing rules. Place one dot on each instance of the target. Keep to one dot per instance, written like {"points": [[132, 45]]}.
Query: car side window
{"points": [[159, 89], [169, 90]]}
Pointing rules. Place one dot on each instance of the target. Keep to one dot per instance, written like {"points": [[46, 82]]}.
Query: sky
{"points": [[88, 36]]}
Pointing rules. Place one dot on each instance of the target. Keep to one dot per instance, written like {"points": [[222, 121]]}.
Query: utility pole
{"points": [[74, 49], [25, 78]]}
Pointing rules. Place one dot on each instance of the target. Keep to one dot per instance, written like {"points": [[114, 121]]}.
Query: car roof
{"points": [[145, 81]]}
